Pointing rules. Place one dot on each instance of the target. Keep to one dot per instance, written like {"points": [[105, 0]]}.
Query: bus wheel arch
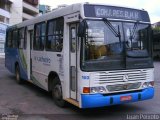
{"points": [[54, 85], [52, 75]]}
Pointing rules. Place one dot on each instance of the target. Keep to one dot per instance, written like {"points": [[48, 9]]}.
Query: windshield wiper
{"points": [[113, 29], [132, 33], [134, 30]]}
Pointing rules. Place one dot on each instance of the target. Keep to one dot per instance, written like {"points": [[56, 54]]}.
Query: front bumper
{"points": [[98, 100]]}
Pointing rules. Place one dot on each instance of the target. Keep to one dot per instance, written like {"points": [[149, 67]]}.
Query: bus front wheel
{"points": [[57, 93], [18, 78]]}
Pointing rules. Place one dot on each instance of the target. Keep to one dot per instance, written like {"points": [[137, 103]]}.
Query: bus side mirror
{"points": [[82, 29]]}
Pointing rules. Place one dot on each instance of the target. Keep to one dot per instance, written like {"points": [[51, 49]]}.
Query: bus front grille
{"points": [[122, 76], [120, 87]]}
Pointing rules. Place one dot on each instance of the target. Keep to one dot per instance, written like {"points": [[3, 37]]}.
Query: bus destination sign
{"points": [[114, 12]]}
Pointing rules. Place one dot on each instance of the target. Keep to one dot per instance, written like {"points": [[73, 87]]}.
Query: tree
{"points": [[156, 29]]}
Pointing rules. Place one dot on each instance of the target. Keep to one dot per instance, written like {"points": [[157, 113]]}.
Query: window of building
{"points": [[7, 20], [39, 36], [55, 35], [2, 4], [8, 6], [2, 18], [32, 2], [5, 5]]}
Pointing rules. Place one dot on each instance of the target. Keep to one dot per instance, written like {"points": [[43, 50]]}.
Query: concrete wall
{"points": [[16, 12]]}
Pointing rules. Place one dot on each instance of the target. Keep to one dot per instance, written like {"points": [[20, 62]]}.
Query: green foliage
{"points": [[156, 29]]}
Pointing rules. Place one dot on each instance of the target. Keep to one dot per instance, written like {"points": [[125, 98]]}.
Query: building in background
{"points": [[3, 28], [23, 10], [16, 11], [13, 12], [44, 9], [5, 15], [5, 11]]}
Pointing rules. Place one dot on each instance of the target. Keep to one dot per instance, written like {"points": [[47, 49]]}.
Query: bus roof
{"points": [[62, 12], [53, 14], [116, 5]]}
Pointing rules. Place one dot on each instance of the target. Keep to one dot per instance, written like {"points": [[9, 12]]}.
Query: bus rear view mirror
{"points": [[82, 29]]}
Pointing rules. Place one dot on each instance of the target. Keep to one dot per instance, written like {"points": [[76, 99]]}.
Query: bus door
{"points": [[73, 60]]}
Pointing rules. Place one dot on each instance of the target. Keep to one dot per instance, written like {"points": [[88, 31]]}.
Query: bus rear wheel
{"points": [[17, 72], [57, 93]]}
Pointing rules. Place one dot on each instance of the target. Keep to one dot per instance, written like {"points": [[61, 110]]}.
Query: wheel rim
{"points": [[57, 92]]}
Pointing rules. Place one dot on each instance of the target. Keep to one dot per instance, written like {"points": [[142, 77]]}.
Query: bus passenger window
{"points": [[15, 37], [25, 38], [54, 40], [21, 38], [39, 37], [9, 39]]}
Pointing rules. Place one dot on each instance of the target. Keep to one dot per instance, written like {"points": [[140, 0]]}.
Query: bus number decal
{"points": [[85, 77]]}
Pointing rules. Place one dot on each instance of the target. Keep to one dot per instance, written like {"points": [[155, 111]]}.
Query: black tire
{"points": [[17, 73], [57, 93]]}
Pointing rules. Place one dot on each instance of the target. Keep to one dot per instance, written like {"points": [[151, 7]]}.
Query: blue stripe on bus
{"points": [[16, 55], [98, 100], [22, 64]]}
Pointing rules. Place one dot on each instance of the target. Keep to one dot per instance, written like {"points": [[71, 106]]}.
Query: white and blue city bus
{"points": [[89, 55]]}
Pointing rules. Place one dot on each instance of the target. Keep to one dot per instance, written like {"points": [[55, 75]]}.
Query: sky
{"points": [[152, 6]]}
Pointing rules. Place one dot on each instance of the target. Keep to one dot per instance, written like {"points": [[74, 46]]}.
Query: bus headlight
{"points": [[144, 85], [148, 84], [99, 89], [102, 89], [94, 90]]}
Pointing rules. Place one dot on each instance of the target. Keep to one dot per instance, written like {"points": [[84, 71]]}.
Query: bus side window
{"points": [[15, 37], [25, 38], [39, 36], [49, 34], [9, 39], [51, 39], [54, 40], [43, 36], [21, 34], [59, 31]]}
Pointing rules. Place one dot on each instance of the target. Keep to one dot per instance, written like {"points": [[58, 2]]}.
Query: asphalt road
{"points": [[28, 102]]}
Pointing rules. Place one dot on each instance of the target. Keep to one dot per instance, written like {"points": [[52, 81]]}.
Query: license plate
{"points": [[126, 98]]}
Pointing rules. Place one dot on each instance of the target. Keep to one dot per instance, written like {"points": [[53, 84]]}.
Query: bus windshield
{"points": [[102, 49], [136, 39]]}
